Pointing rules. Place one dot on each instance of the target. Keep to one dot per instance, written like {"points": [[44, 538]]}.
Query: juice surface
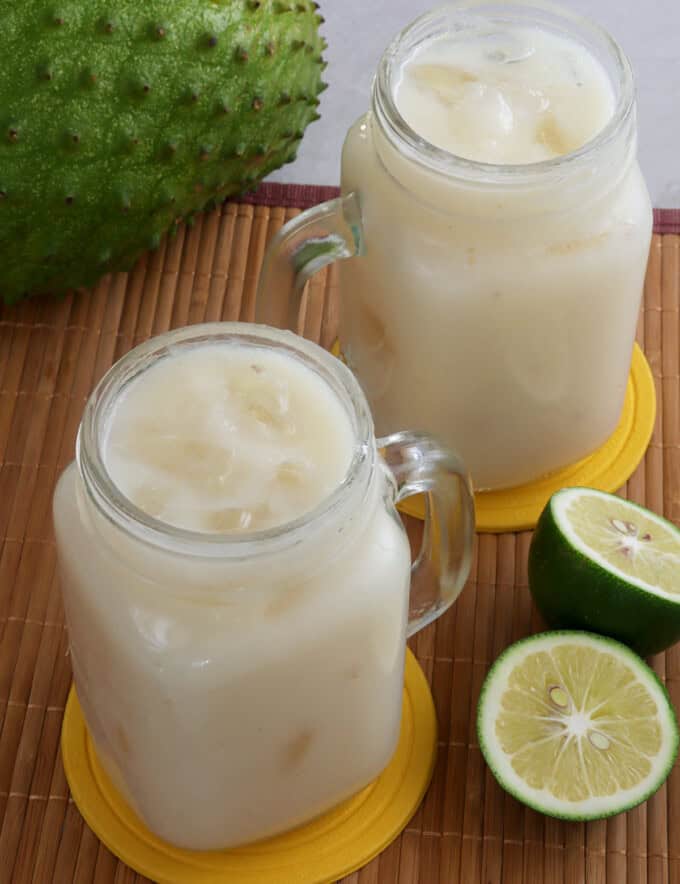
{"points": [[228, 438], [516, 95]]}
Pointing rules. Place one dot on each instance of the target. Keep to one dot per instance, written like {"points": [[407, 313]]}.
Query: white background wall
{"points": [[358, 30]]}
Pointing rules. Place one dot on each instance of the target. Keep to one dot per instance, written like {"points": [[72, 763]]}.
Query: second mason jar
{"points": [[491, 303]]}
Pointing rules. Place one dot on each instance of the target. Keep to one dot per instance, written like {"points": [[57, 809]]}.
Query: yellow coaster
{"points": [[330, 847], [518, 509]]}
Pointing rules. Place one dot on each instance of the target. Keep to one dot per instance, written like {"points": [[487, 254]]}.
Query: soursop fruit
{"points": [[119, 118]]}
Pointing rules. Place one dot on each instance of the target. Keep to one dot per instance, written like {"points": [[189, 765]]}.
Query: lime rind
{"points": [[575, 590], [559, 504], [594, 807]]}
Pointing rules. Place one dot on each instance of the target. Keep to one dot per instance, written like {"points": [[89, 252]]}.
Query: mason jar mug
{"points": [[236, 685], [493, 305]]}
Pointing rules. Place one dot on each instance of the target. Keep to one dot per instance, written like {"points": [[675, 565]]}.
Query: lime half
{"points": [[601, 563], [576, 725]]}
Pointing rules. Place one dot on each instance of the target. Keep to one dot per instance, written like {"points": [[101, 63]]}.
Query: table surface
{"points": [[357, 32], [467, 831]]}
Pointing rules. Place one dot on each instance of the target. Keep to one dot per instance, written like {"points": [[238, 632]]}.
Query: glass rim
{"points": [[437, 159], [124, 514]]}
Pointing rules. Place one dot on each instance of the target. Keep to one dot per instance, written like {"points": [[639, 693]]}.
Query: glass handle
{"points": [[304, 245], [420, 465]]}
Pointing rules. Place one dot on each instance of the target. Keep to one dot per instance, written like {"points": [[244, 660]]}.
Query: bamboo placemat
{"points": [[467, 830]]}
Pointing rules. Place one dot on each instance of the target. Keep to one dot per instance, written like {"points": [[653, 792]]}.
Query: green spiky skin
{"points": [[119, 118]]}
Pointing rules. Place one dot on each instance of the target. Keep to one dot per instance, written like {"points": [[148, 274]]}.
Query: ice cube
{"points": [[295, 751], [148, 441], [512, 55], [151, 499], [292, 474], [446, 81], [507, 48], [229, 519], [262, 397], [238, 518], [552, 137], [266, 413], [285, 599], [121, 741]]}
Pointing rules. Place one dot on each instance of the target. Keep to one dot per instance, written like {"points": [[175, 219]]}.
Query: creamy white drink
{"points": [[235, 683], [228, 438], [516, 95], [505, 230]]}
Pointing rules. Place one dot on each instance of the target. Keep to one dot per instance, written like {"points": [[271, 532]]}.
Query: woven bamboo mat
{"points": [[467, 830]]}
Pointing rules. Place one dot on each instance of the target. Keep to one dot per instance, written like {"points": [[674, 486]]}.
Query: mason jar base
{"points": [[329, 847]]}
